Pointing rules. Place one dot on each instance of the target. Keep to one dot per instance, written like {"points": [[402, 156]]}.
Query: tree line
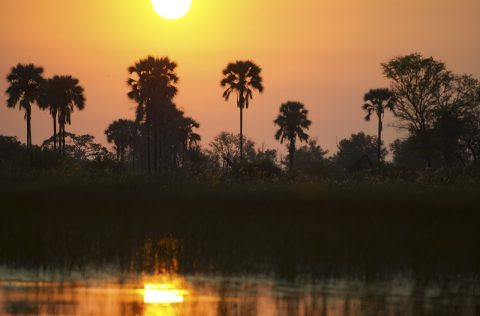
{"points": [[439, 110]]}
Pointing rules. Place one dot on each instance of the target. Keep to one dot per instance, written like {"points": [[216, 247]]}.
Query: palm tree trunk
{"points": [[148, 147], [59, 133], [59, 137], [291, 151], [379, 139], [29, 129], [241, 132], [54, 132], [155, 144], [63, 138], [185, 148]]}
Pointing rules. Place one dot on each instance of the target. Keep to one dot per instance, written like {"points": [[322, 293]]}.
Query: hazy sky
{"points": [[324, 53]]}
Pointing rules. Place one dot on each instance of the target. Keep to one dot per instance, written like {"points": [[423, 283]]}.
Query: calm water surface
{"points": [[27, 293]]}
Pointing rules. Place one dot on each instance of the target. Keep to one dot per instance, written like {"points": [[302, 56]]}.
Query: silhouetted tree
{"points": [[80, 147], [358, 152], [377, 101], [49, 100], [187, 137], [416, 82], [292, 122], [458, 101], [225, 151], [25, 87], [123, 134], [265, 154], [242, 77], [10, 148], [311, 162], [471, 135], [64, 94], [152, 85], [309, 154], [408, 153]]}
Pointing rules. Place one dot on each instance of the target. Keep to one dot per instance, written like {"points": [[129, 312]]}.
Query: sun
{"points": [[171, 9]]}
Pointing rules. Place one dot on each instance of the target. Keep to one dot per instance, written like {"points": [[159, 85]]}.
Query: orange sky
{"points": [[324, 53]]}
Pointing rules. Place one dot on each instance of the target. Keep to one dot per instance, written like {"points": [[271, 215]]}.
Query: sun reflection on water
{"points": [[161, 293]]}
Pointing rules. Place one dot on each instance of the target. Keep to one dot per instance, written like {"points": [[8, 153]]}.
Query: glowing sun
{"points": [[171, 9]]}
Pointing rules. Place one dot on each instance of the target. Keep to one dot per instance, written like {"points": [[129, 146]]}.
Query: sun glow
{"points": [[171, 9], [162, 294]]}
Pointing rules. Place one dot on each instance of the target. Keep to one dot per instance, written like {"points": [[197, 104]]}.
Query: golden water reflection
{"points": [[161, 293], [178, 296]]}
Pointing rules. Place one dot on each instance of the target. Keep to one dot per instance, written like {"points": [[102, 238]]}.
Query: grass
{"points": [[284, 229]]}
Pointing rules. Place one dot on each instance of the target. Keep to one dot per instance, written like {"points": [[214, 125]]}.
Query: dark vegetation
{"points": [[429, 233], [161, 202]]}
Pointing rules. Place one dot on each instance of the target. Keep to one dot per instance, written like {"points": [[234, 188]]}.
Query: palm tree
{"points": [[192, 137], [152, 83], [377, 101], [242, 77], [25, 88], [67, 95], [292, 122], [49, 100], [179, 134]]}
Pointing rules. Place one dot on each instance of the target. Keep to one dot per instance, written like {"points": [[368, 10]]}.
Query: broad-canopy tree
{"points": [[377, 101], [470, 137], [357, 152], [309, 154], [292, 121], [224, 149], [123, 134], [10, 148], [25, 88], [81, 147], [416, 82], [458, 103], [408, 153], [242, 78]]}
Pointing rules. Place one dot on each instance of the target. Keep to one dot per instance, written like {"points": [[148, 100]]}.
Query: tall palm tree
{"points": [[377, 101], [152, 85], [49, 100], [25, 88], [242, 77], [292, 122], [67, 95]]}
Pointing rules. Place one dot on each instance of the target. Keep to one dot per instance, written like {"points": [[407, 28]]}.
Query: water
{"points": [[161, 255], [111, 293]]}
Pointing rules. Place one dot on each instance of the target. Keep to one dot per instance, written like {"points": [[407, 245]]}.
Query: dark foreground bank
{"points": [[285, 230]]}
